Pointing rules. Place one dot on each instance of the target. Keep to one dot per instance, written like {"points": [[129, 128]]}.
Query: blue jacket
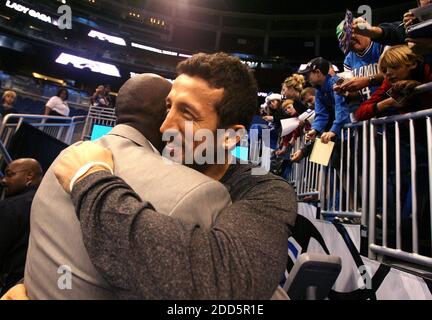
{"points": [[331, 109]]}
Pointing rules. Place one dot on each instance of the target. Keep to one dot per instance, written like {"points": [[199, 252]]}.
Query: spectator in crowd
{"points": [[331, 110], [57, 105], [214, 91], [291, 112], [287, 142], [99, 98], [403, 70], [362, 63], [274, 104], [109, 99], [274, 116], [8, 100], [390, 34], [292, 88], [21, 180], [307, 97]]}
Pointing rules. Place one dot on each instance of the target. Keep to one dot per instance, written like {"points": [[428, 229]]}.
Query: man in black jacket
{"points": [[22, 177]]}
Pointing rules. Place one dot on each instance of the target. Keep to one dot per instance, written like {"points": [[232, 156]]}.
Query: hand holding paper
{"points": [[321, 152]]}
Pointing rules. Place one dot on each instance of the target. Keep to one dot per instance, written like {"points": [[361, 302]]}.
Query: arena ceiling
{"points": [[277, 7]]}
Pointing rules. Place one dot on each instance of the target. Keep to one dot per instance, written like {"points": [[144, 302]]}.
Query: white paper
{"points": [[321, 152], [289, 125], [306, 115]]}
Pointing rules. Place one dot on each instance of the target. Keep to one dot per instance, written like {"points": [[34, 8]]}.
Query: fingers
{"points": [[76, 157], [324, 139], [347, 85], [408, 19]]}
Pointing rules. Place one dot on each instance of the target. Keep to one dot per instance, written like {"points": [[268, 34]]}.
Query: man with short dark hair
{"points": [[244, 253], [56, 248], [21, 180]]}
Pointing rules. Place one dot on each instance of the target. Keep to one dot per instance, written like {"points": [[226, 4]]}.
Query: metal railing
{"points": [[61, 128], [98, 116], [4, 156], [367, 179], [407, 142], [341, 184]]}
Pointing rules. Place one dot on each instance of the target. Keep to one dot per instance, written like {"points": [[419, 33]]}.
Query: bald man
{"points": [[22, 177], [58, 265]]}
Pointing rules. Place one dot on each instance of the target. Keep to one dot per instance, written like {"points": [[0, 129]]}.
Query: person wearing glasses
{"points": [[20, 182]]}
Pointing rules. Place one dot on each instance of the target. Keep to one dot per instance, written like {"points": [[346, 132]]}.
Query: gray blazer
{"points": [[56, 244]]}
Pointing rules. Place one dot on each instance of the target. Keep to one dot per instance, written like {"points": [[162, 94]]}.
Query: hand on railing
{"points": [[268, 118], [406, 87], [297, 156], [402, 94]]}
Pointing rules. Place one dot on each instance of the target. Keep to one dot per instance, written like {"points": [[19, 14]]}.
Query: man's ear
{"points": [[232, 136], [413, 66], [30, 177]]}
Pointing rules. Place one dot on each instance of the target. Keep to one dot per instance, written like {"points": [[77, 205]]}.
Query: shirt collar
{"points": [[134, 135]]}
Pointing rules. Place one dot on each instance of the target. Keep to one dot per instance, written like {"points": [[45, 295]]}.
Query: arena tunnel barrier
{"points": [[381, 178], [98, 116], [61, 128]]}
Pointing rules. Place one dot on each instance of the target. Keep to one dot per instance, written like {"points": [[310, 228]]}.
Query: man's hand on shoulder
{"points": [[77, 162]]}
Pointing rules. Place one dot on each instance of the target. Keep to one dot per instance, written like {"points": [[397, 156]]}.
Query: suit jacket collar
{"points": [[132, 134]]}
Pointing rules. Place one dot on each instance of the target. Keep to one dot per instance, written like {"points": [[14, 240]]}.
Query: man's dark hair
{"points": [[59, 92], [239, 101]]}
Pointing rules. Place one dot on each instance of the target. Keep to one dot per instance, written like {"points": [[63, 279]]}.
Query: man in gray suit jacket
{"points": [[58, 266]]}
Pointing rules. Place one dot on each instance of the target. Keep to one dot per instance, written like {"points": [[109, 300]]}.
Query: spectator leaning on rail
{"points": [[57, 105], [276, 114], [308, 99], [331, 110], [292, 88], [393, 33], [403, 70], [274, 105], [361, 63], [288, 141], [22, 178]]}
